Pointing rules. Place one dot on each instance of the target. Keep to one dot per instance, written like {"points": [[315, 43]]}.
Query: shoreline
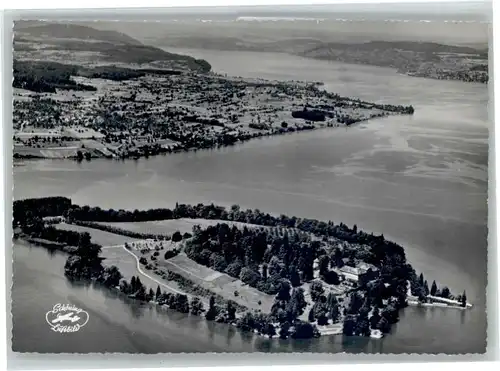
{"points": [[19, 159]]}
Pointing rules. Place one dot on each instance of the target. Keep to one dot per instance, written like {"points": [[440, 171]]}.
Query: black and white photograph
{"points": [[265, 179]]}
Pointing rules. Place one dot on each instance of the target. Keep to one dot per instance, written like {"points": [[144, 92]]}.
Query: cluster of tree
{"points": [[135, 289], [111, 73], [45, 77], [446, 294], [325, 308], [120, 231], [171, 253], [380, 247], [25, 210], [420, 288], [309, 115], [223, 311], [81, 155], [162, 72], [360, 318], [258, 257], [287, 307], [81, 241]]}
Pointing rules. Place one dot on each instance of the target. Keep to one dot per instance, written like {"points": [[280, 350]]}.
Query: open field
{"points": [[100, 237], [217, 282], [128, 266], [168, 227]]}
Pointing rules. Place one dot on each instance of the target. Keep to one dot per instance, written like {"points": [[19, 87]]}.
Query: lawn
{"points": [[219, 283], [102, 238], [168, 227]]}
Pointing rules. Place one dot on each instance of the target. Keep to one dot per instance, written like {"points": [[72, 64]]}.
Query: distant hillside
{"points": [[231, 43], [423, 59], [71, 43], [417, 47], [72, 31]]}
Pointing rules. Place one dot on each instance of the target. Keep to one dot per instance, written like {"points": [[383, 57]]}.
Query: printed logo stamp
{"points": [[66, 318]]}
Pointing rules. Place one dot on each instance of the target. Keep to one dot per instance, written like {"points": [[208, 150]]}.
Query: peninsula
{"points": [[119, 112], [273, 275], [119, 98]]}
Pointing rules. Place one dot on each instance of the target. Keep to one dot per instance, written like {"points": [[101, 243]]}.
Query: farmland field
{"points": [[168, 227], [102, 238]]}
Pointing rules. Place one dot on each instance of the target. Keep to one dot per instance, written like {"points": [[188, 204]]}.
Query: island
{"points": [[277, 276]]}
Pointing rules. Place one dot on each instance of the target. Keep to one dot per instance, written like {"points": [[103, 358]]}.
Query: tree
{"points": [[111, 276], [433, 288], [323, 264], [196, 306], [464, 300], [284, 330], [321, 318], [249, 276], [297, 303], [284, 291], [304, 330], [234, 269], [294, 276], [426, 288], [177, 236], [311, 316], [158, 292], [363, 324], [151, 294], [264, 272], [375, 318], [124, 287], [332, 277], [332, 306], [384, 325], [79, 156], [349, 325], [317, 290], [212, 310], [181, 303], [355, 303], [231, 311], [246, 322], [218, 262], [445, 293], [141, 293], [269, 329]]}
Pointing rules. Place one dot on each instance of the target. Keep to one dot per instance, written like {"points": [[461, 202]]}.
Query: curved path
{"points": [[152, 278]]}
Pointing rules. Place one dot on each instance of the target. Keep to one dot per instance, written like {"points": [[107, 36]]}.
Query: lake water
{"points": [[419, 180]]}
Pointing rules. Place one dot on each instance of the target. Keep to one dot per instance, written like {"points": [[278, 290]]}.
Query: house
{"points": [[349, 273], [362, 270]]}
